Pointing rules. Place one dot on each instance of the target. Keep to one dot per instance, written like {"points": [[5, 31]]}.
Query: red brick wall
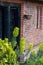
{"points": [[30, 31], [22, 14], [28, 27], [17, 1]]}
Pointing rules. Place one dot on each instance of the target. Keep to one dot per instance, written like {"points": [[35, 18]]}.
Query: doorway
{"points": [[9, 18]]}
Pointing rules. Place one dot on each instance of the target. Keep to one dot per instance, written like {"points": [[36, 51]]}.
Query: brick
{"points": [[31, 33]]}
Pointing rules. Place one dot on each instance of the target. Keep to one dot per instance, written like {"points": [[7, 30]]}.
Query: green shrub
{"points": [[41, 59], [7, 54], [41, 47], [15, 35], [34, 52], [36, 57]]}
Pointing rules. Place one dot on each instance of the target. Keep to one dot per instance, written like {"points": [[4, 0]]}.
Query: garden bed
{"points": [[9, 55]]}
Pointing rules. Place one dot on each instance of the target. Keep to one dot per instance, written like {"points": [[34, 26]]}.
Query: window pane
{"points": [[9, 18], [0, 22], [6, 22], [38, 17]]}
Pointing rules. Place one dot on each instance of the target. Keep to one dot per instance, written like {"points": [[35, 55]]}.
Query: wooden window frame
{"points": [[39, 17]]}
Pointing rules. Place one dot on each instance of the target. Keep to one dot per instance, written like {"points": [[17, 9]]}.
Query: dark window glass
{"points": [[0, 22], [38, 17], [9, 18]]}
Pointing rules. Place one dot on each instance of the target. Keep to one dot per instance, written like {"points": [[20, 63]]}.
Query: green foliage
{"points": [[41, 59], [16, 32], [15, 35], [41, 47], [14, 42], [36, 57], [34, 52], [7, 54], [29, 62], [30, 47], [22, 45], [6, 40]]}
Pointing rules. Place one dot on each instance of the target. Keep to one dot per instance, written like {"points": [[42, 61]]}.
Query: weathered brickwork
{"points": [[31, 33], [28, 27]]}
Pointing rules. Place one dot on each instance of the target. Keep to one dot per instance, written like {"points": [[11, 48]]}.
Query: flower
{"points": [[30, 46], [22, 41], [34, 52], [16, 32], [41, 59], [22, 44], [41, 46]]}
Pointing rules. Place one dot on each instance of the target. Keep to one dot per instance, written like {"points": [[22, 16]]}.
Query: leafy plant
{"points": [[41, 47], [41, 59], [36, 57], [22, 45], [7, 54], [30, 47], [15, 32], [34, 52], [15, 35]]}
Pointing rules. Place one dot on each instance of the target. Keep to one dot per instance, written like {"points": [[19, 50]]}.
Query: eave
{"points": [[35, 1]]}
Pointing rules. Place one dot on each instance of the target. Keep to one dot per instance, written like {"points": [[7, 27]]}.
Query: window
{"points": [[39, 17], [9, 18]]}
